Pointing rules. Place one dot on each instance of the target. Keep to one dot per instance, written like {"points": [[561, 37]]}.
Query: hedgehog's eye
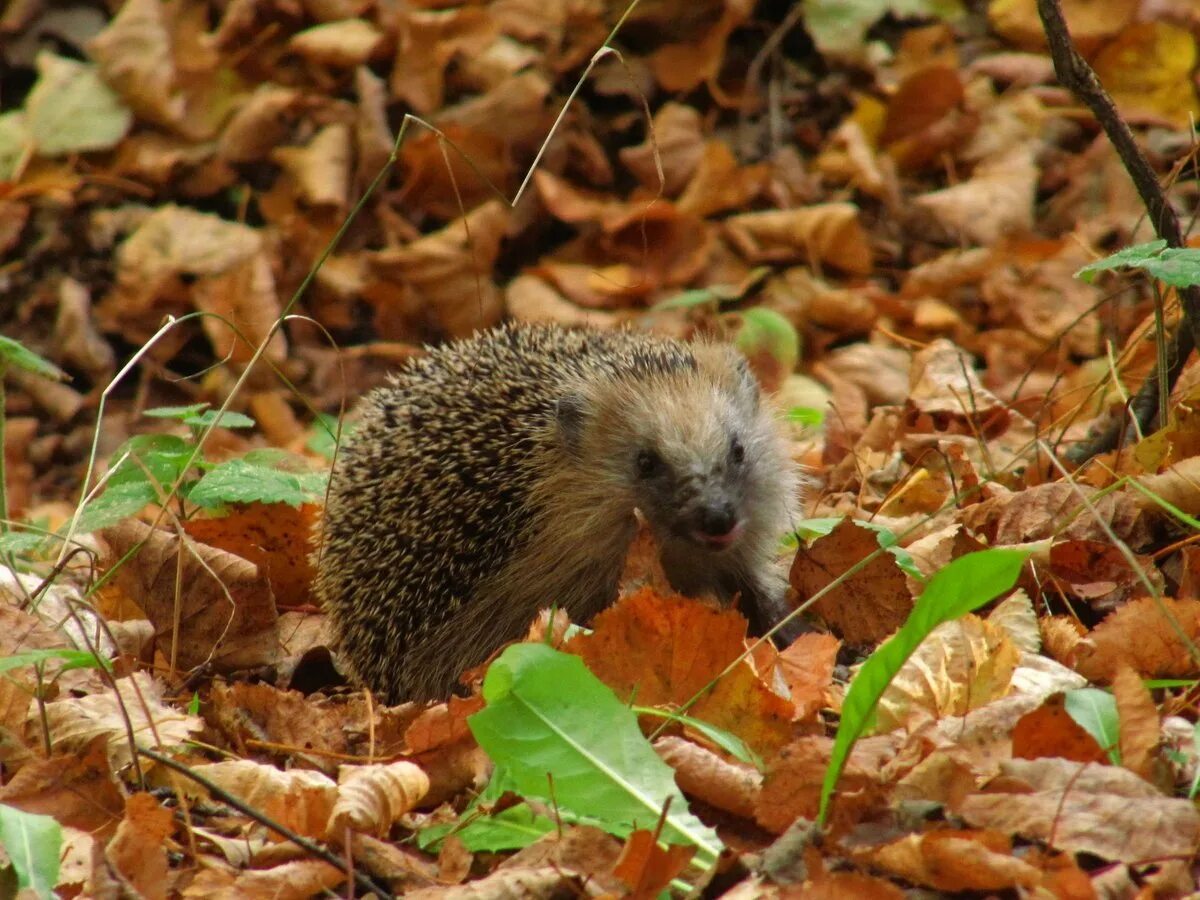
{"points": [[736, 451], [648, 464]]}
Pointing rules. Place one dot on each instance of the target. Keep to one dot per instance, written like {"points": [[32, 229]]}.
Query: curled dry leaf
{"points": [[677, 137], [322, 168], [223, 606], [807, 666], [77, 788], [135, 57], [1167, 635], [346, 43], [995, 202], [1103, 810], [704, 774], [298, 799], [954, 860], [372, 798], [1140, 728], [260, 125], [75, 722]]}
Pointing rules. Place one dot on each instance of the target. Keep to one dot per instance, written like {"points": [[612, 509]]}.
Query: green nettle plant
{"points": [[148, 466]]}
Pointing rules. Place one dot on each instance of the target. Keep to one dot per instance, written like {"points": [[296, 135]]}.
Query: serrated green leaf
{"points": [[157, 458], [1126, 256], [17, 354], [71, 110], [562, 736], [72, 659], [33, 844], [247, 481], [1095, 711], [1179, 267], [323, 439], [960, 587], [115, 504], [21, 543]]}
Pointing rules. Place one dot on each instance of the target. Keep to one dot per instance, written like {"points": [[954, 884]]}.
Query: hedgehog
{"points": [[498, 475]]}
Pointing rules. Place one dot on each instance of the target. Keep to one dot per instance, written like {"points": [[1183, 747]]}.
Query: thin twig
{"points": [[363, 881], [1075, 73]]}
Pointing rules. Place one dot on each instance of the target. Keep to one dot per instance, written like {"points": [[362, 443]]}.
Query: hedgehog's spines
{"points": [[466, 501]]}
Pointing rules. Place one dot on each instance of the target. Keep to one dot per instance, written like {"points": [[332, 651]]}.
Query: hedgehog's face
{"points": [[689, 451]]}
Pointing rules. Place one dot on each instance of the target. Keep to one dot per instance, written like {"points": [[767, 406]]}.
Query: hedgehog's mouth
{"points": [[719, 542]]}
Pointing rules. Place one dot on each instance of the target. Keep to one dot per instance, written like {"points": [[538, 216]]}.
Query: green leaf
{"points": [[15, 142], [115, 504], [563, 737], [227, 419], [21, 543], [1095, 711], [175, 412], [17, 354], [33, 843], [323, 440], [511, 829], [71, 110], [688, 300], [764, 331], [962, 586], [257, 478], [807, 416], [1127, 256], [1179, 267], [72, 659], [730, 743], [840, 26]]}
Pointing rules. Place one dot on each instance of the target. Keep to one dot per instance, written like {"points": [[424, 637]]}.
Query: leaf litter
{"points": [[886, 214]]}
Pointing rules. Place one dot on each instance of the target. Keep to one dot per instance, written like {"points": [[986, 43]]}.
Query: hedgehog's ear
{"points": [[570, 412], [747, 384]]}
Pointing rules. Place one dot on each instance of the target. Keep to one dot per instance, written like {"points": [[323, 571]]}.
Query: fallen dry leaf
{"points": [[220, 603], [864, 607], [372, 798]]}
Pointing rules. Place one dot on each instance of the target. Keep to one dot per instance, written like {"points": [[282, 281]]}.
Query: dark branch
{"points": [[1075, 73]]}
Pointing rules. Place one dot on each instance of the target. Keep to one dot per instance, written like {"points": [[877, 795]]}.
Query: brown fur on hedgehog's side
{"points": [[499, 475]]}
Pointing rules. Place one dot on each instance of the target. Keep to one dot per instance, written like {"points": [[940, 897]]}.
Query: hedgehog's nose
{"points": [[717, 521]]}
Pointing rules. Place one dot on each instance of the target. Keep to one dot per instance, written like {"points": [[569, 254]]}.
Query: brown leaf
{"points": [[223, 605], [825, 234], [865, 607], [275, 537], [75, 722], [346, 43], [704, 774], [1167, 635], [648, 868], [297, 880], [77, 789], [1103, 810], [298, 799], [920, 103], [807, 666], [1140, 729], [666, 649], [1098, 573], [1050, 731], [1146, 69], [321, 169], [953, 860], [449, 273], [137, 851], [1058, 510], [677, 137], [371, 798]]}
